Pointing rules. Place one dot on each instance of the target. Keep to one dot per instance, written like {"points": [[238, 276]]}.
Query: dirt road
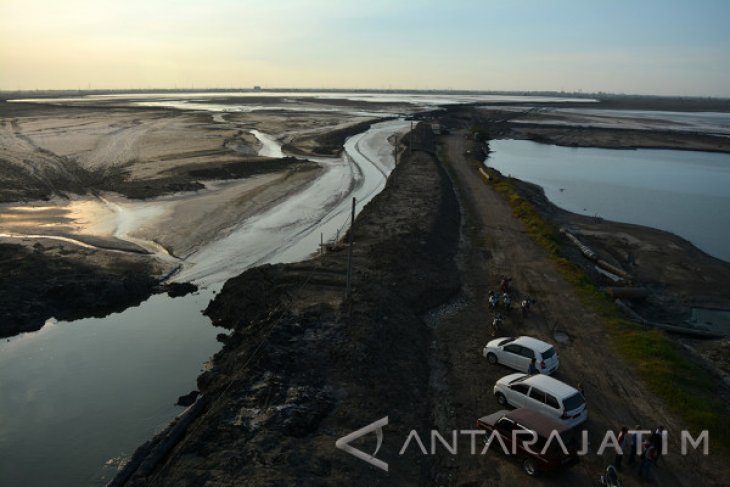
{"points": [[494, 243]]}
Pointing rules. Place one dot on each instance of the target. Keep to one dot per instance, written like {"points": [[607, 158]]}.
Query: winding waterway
{"points": [[683, 192], [78, 398]]}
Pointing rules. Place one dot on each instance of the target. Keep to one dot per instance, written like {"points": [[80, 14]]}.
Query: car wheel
{"points": [[501, 399], [492, 358], [528, 465]]}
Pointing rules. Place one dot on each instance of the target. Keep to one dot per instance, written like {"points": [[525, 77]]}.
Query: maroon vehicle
{"points": [[524, 426]]}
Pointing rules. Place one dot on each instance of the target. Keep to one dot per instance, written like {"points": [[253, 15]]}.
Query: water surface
{"points": [[683, 192], [77, 395]]}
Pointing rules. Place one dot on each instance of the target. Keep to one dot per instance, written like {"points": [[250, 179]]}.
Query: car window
{"points": [[520, 378], [505, 425], [506, 341], [513, 349], [552, 401], [547, 354], [527, 352], [537, 394], [574, 402], [521, 388]]}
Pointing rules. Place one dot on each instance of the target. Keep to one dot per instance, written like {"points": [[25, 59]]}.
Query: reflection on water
{"points": [[683, 192], [75, 395]]}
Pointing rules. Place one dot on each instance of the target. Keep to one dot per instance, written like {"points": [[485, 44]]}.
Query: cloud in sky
{"points": [[662, 47]]}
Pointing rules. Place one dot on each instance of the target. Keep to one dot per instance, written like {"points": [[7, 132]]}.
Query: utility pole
{"points": [[349, 251], [410, 141], [395, 151]]}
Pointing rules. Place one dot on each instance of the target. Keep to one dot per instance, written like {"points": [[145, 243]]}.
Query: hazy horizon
{"points": [[670, 48]]}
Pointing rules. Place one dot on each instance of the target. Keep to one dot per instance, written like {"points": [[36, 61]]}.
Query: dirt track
{"points": [[496, 244]]}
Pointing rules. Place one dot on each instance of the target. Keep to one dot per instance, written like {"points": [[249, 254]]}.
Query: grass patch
{"points": [[685, 388]]}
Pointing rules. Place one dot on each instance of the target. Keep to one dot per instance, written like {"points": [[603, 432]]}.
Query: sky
{"points": [[661, 47]]}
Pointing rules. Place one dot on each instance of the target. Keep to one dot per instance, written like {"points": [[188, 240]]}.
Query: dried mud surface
{"points": [[66, 169]]}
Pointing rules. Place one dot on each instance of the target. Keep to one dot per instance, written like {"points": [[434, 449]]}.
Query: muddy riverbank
{"points": [[51, 279], [677, 274]]}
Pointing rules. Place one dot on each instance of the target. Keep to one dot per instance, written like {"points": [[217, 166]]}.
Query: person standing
{"points": [[635, 445], [648, 459], [657, 441], [532, 368], [624, 444]]}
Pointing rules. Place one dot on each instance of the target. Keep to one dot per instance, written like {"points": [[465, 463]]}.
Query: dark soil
{"points": [[246, 169], [42, 282], [330, 143], [617, 138], [304, 366]]}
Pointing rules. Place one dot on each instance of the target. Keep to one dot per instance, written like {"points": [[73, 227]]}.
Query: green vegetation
{"points": [[685, 388]]}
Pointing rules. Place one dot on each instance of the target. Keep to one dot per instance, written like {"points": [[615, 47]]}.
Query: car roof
{"points": [[533, 343], [548, 384], [540, 423]]}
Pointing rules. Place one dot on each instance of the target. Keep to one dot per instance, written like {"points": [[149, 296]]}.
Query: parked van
{"points": [[542, 393], [517, 353]]}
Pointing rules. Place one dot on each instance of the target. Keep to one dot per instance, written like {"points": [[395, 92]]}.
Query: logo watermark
{"points": [[516, 442], [377, 427]]}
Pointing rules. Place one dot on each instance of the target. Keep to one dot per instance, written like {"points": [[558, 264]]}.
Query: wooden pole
{"points": [[395, 151], [410, 141], [349, 251]]}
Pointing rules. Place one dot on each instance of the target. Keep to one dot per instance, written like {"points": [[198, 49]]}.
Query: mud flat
{"points": [[617, 122], [303, 365], [116, 190]]}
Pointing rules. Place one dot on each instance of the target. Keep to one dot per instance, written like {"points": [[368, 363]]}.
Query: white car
{"points": [[517, 352], [544, 394]]}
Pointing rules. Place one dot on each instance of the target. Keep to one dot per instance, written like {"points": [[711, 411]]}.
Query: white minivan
{"points": [[518, 352], [542, 393]]}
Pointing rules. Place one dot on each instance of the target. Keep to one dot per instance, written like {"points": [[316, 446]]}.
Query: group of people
{"points": [[494, 299], [506, 300], [648, 449]]}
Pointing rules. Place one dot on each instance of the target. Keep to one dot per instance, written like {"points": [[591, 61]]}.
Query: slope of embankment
{"points": [[304, 366]]}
